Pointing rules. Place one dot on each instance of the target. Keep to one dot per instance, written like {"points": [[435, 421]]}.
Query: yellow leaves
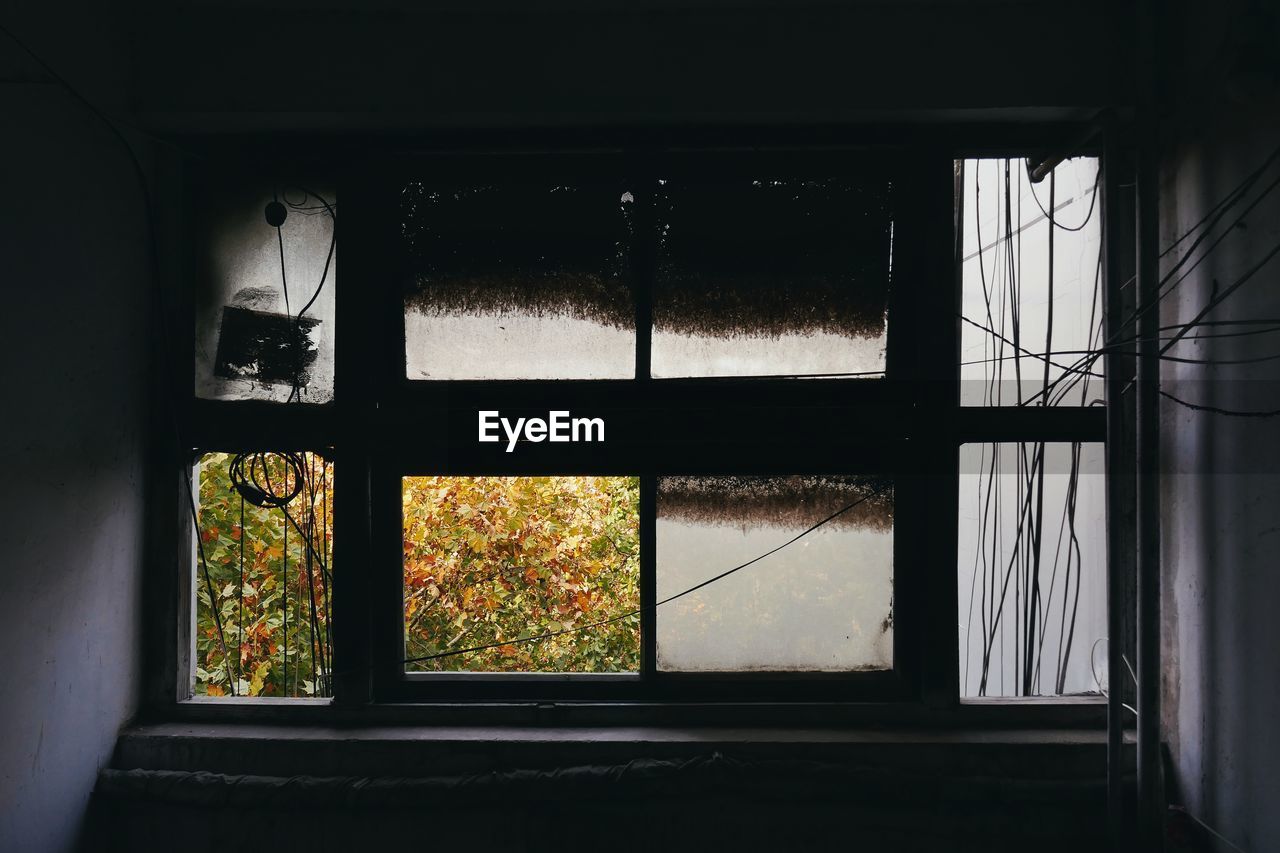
{"points": [[510, 556], [477, 541], [214, 690]]}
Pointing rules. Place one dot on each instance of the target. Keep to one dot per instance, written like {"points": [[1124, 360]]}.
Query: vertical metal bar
{"points": [[358, 287], [1148, 503], [928, 260], [648, 577], [643, 269], [643, 264], [1118, 367]]}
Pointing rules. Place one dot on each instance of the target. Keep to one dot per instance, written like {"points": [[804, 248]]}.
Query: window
{"points": [[660, 425], [1031, 551]]}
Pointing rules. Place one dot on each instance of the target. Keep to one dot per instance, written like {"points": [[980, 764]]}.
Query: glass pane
{"points": [[534, 574], [263, 569], [264, 295], [821, 603], [1032, 569], [519, 281], [772, 277], [1030, 326]]}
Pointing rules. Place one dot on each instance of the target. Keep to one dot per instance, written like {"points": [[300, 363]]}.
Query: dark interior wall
{"points": [[74, 372], [401, 64], [1222, 473]]}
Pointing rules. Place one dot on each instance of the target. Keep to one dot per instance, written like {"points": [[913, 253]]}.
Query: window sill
{"points": [[416, 751], [1087, 713]]}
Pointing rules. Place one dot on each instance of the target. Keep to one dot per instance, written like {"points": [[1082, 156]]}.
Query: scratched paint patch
{"points": [[772, 276], [518, 280], [248, 277], [773, 256], [265, 347]]}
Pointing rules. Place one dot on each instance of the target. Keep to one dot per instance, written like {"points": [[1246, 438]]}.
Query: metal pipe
{"points": [[1118, 369], [1148, 504], [1150, 811]]}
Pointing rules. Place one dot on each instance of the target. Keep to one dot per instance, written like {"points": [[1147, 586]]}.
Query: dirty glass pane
{"points": [[1032, 570], [532, 574], [772, 277], [518, 281], [1030, 326], [263, 568], [265, 294], [821, 603]]}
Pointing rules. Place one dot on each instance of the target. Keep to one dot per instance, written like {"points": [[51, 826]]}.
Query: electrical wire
{"points": [[1215, 410], [1093, 199]]}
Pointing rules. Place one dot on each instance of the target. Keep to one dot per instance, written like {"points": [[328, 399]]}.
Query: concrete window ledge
{"points": [[637, 788], [442, 751]]}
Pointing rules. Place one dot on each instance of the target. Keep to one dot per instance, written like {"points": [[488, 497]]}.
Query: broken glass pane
{"points": [[521, 574], [265, 296], [1032, 570], [1032, 330], [824, 602], [263, 569], [519, 281], [772, 277]]}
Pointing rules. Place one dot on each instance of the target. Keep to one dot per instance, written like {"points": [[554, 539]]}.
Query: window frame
{"points": [[374, 404]]}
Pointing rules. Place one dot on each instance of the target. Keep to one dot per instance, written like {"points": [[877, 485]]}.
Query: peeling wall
{"points": [[71, 437]]}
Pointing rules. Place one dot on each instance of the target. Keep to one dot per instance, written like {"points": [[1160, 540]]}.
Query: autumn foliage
{"points": [[492, 561], [269, 577], [488, 561]]}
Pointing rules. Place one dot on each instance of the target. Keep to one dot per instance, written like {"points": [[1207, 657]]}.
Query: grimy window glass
{"points": [[822, 603], [1032, 569], [266, 272], [262, 575], [1032, 303], [773, 276], [519, 281], [491, 562]]}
